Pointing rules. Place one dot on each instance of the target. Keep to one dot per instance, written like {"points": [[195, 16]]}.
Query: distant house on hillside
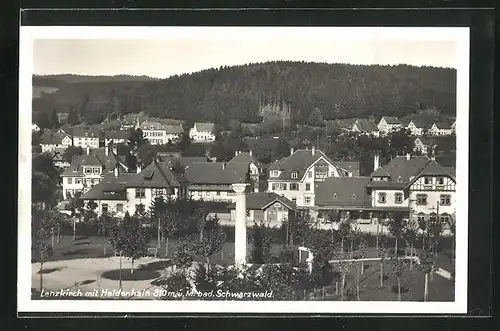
{"points": [[173, 133], [202, 132], [418, 126], [365, 126], [49, 141], [86, 136], [388, 124], [116, 137], [441, 128]]}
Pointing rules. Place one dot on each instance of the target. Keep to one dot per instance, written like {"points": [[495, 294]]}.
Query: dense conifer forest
{"points": [[241, 92]]}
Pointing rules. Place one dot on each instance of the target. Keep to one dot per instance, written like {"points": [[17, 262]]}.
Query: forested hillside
{"points": [[336, 90]]}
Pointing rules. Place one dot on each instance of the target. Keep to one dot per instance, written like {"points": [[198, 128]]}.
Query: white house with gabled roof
{"points": [[202, 132]]}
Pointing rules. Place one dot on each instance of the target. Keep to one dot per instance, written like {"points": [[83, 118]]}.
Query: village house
{"points": [[202, 132], [295, 176], [388, 124], [416, 186], [120, 192], [173, 133], [418, 126], [154, 132], [441, 128], [211, 181], [50, 141], [89, 169], [436, 144], [255, 168], [86, 136], [270, 208], [365, 126], [422, 145], [115, 137]]}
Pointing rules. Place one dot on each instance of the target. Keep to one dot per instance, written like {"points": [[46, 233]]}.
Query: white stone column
{"points": [[240, 231]]}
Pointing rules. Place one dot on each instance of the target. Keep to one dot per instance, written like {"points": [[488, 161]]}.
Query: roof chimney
{"points": [[408, 156], [376, 160], [223, 165], [313, 149], [88, 150], [106, 150], [291, 151]]}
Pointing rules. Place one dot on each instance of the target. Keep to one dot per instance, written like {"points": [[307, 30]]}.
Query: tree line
{"points": [[239, 92]]}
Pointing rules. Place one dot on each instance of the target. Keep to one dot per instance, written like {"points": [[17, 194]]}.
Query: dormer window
{"points": [[400, 179], [334, 196], [353, 196], [275, 173], [294, 174]]}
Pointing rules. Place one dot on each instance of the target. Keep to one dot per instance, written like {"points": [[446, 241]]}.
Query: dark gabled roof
{"points": [[432, 168], [421, 123], [99, 192], [88, 131], [216, 172], [401, 169], [343, 191], [51, 138], [263, 200], [117, 134], [366, 125], [392, 120], [183, 160], [443, 125], [96, 157], [451, 170], [204, 127], [174, 129], [380, 172], [383, 184], [245, 158], [156, 174], [299, 161]]}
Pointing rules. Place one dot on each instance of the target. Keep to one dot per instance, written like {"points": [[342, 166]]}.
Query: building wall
{"points": [[217, 196], [201, 136], [155, 137], [85, 142], [50, 147], [414, 130], [148, 199], [112, 207], [172, 137], [389, 198], [434, 130], [433, 190], [70, 189], [114, 141], [273, 217], [67, 142], [301, 195]]}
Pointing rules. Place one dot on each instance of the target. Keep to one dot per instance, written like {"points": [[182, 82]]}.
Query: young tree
{"points": [[183, 256], [410, 233], [345, 230], [43, 229], [396, 227], [76, 206], [213, 240], [426, 266], [130, 239], [363, 245], [435, 229], [382, 254], [169, 225], [398, 265], [175, 283], [279, 279], [262, 241], [345, 267], [452, 227]]}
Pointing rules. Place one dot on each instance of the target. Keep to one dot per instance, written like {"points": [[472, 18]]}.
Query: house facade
{"points": [[202, 132], [365, 126], [173, 133], [115, 137], [154, 132], [441, 129], [128, 192], [51, 141], [270, 208], [86, 136], [388, 124], [88, 170], [418, 126], [295, 177]]}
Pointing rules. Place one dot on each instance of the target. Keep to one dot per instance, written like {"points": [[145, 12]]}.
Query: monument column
{"points": [[240, 230]]}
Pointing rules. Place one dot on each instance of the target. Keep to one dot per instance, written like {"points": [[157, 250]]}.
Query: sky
{"points": [[170, 56]]}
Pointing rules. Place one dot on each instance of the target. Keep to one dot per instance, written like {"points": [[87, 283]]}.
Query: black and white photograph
{"points": [[243, 169]]}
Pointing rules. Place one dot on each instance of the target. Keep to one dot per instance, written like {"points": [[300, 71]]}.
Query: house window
{"points": [[275, 173], [231, 193], [217, 193], [140, 193], [308, 187], [441, 181], [445, 199], [420, 219], [200, 193], [353, 196], [119, 208], [334, 196], [421, 199], [382, 197], [294, 187], [398, 198], [274, 186], [307, 200], [444, 219], [427, 180], [70, 180], [104, 207], [294, 174], [310, 174], [96, 170], [88, 171], [294, 200], [78, 181]]}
